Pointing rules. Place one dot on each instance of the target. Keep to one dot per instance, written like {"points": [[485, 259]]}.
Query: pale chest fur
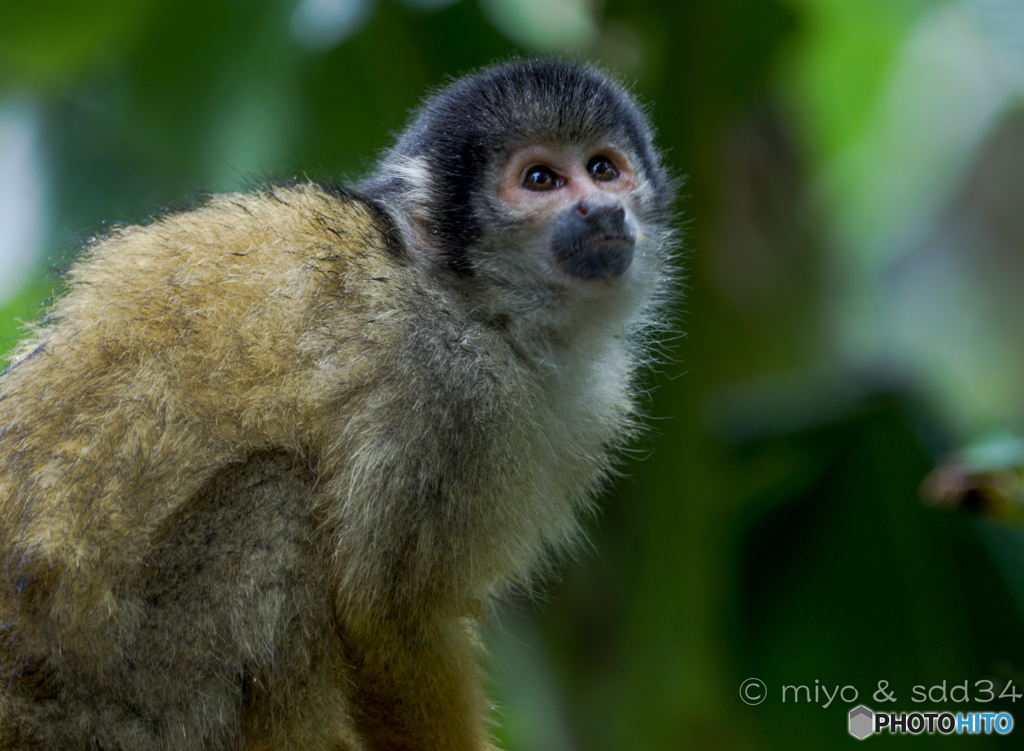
{"points": [[484, 454]]}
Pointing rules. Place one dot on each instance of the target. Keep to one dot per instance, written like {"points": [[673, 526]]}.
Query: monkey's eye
{"points": [[601, 168], [540, 178]]}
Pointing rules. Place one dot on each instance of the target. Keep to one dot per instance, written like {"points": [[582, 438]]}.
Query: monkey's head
{"points": [[537, 180]]}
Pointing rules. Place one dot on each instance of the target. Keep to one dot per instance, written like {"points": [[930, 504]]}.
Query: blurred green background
{"points": [[853, 318]]}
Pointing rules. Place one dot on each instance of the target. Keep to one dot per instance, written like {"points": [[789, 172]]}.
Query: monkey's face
{"points": [[578, 201]]}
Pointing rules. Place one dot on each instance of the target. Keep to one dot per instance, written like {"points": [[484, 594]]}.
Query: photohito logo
{"points": [[863, 722]]}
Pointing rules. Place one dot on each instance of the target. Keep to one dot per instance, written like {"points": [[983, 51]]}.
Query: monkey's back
{"points": [[159, 463]]}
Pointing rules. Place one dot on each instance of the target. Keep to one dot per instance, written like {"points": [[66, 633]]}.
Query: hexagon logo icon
{"points": [[862, 721]]}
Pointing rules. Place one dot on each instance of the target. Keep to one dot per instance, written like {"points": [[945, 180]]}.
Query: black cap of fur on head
{"points": [[435, 171]]}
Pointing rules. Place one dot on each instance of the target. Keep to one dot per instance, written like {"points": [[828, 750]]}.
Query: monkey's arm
{"points": [[222, 631]]}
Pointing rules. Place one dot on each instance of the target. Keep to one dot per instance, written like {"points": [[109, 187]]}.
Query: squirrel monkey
{"points": [[267, 462]]}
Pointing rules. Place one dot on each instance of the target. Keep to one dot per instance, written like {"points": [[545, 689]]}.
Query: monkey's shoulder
{"points": [[248, 274], [263, 235]]}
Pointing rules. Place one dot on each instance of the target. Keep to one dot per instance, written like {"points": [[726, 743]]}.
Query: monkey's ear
{"points": [[406, 187], [424, 235]]}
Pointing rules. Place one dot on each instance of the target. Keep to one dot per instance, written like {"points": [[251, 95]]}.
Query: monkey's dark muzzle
{"points": [[592, 239]]}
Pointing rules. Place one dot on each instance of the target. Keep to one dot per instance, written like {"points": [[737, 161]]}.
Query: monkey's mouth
{"points": [[594, 239], [595, 257]]}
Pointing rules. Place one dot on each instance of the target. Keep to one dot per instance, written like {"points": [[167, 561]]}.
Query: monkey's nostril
{"points": [[583, 209]]}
